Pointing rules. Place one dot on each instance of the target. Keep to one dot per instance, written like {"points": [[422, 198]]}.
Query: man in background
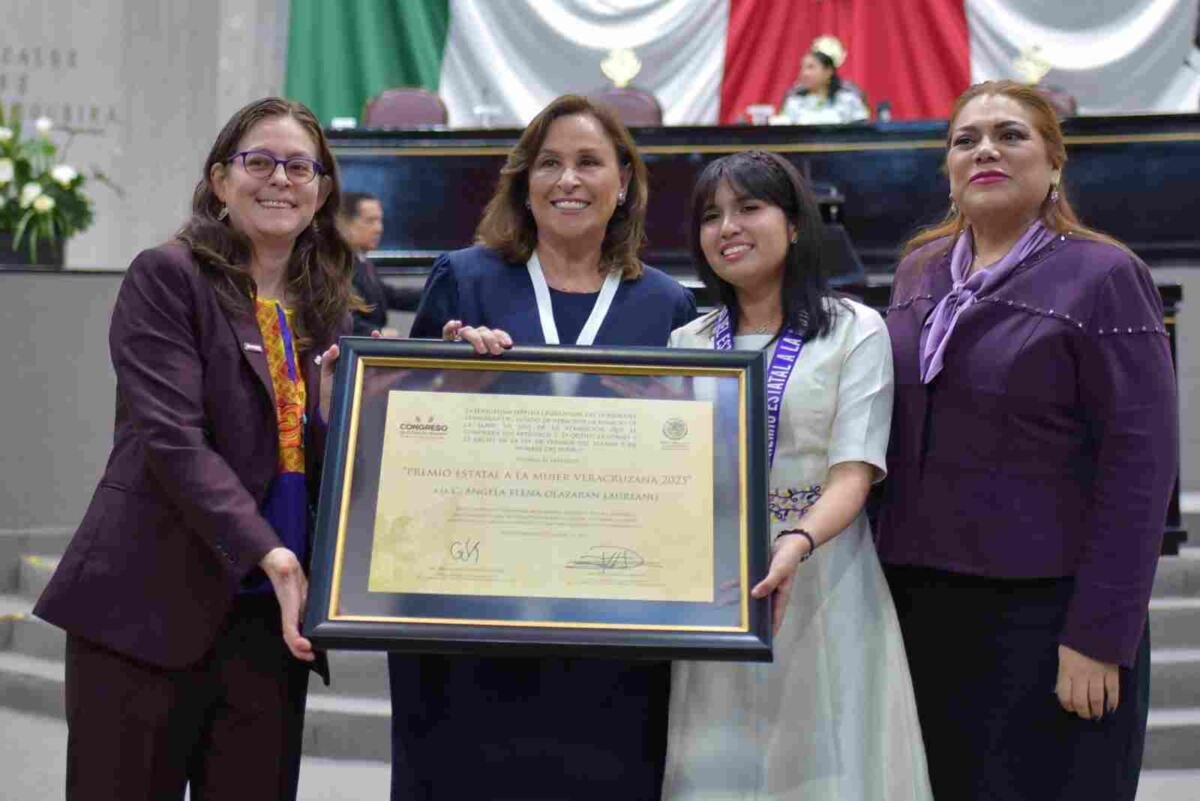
{"points": [[361, 224]]}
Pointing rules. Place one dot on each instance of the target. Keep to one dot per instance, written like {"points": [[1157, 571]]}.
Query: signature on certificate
{"points": [[608, 557], [465, 551]]}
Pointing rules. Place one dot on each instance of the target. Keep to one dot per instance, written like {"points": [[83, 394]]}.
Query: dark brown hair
{"points": [[508, 226], [318, 271], [1058, 215]]}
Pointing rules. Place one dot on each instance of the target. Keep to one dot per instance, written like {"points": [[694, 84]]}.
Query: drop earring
{"points": [[1053, 193], [621, 198]]}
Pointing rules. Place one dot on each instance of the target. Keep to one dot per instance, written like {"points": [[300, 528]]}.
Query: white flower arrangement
{"points": [[63, 175], [29, 193], [41, 197]]}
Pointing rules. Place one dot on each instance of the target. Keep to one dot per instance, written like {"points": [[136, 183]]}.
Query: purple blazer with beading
{"points": [[1048, 445], [174, 525]]}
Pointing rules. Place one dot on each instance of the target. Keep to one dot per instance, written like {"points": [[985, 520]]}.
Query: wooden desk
{"points": [[1131, 176]]}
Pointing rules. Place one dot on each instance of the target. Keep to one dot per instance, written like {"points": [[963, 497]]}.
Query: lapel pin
{"points": [[251, 347]]}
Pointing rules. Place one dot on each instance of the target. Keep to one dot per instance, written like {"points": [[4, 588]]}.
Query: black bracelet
{"points": [[812, 545]]}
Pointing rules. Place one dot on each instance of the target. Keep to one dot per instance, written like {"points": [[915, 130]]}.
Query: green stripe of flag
{"points": [[341, 54]]}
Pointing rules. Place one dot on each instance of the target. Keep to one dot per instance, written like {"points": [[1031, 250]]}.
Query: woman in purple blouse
{"points": [[1033, 451]]}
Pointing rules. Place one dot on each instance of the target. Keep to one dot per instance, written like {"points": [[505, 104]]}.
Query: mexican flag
{"points": [[707, 60]]}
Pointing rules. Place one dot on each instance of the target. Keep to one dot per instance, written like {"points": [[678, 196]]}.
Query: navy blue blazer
{"points": [[476, 285]]}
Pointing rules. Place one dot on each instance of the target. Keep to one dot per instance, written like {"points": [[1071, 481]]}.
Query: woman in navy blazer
{"points": [[558, 246], [481, 285], [182, 590], [557, 261]]}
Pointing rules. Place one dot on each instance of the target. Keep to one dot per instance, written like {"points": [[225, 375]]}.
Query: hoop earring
{"points": [[223, 213]]}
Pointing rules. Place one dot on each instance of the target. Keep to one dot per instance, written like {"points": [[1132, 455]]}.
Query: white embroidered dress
{"points": [[833, 717]]}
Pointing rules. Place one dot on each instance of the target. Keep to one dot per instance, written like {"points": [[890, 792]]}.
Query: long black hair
{"points": [[806, 299]]}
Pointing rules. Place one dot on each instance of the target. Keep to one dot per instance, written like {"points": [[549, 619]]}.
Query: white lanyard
{"points": [[541, 291]]}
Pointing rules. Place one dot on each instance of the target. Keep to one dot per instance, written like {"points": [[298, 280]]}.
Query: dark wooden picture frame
{"points": [[343, 613]]}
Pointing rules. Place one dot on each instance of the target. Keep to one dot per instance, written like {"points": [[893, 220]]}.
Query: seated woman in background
{"points": [[820, 96], [557, 261], [1033, 452], [182, 591], [833, 718]]}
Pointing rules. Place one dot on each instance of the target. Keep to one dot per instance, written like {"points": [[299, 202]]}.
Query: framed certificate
{"points": [[582, 501]]}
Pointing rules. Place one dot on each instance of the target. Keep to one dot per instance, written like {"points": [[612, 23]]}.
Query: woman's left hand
{"points": [[1086, 687], [328, 362], [485, 340], [786, 554]]}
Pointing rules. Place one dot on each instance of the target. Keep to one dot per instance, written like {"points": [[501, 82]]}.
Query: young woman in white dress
{"points": [[833, 716]]}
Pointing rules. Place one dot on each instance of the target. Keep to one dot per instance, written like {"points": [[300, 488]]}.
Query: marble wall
{"points": [[144, 85]]}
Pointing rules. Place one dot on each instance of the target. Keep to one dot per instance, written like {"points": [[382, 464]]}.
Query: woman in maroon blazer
{"points": [[1033, 450], [182, 590]]}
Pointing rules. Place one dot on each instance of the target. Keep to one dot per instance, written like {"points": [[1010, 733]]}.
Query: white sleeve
{"points": [[863, 419]]}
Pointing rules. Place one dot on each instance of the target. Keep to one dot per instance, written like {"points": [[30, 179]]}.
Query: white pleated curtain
{"points": [[1114, 56], [514, 56], [517, 55]]}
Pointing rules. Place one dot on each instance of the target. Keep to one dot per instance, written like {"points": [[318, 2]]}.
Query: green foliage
{"points": [[41, 198]]}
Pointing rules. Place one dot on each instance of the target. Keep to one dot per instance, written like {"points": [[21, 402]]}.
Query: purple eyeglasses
{"points": [[261, 164]]}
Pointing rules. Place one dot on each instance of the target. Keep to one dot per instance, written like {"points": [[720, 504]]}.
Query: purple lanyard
{"points": [[787, 351]]}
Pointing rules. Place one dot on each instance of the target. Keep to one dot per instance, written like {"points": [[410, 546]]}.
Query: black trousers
{"points": [[230, 725], [983, 654]]}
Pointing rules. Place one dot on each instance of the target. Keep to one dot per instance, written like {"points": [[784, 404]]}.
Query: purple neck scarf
{"points": [[941, 321]]}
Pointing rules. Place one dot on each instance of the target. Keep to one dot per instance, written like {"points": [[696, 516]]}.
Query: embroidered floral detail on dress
{"points": [[791, 502]]}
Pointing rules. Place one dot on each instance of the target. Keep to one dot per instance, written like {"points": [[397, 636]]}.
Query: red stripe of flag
{"points": [[913, 53]]}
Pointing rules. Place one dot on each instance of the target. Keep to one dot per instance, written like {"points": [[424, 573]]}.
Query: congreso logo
{"points": [[423, 427]]}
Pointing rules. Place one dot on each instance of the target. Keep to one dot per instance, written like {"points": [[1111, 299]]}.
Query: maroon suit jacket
{"points": [[174, 525]]}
